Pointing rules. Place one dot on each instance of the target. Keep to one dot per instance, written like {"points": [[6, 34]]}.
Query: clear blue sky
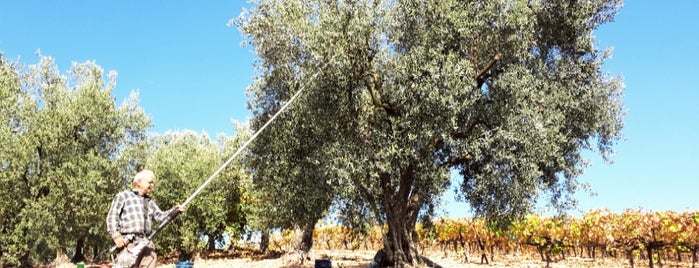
{"points": [[191, 73]]}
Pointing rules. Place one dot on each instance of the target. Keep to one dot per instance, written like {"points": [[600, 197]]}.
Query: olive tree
{"points": [[60, 137], [291, 187], [398, 94], [182, 161]]}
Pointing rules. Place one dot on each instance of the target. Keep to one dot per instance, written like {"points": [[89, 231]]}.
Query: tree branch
{"points": [[373, 84], [483, 74]]}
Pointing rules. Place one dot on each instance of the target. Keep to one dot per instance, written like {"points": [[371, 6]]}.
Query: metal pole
{"points": [[127, 258], [191, 197]]}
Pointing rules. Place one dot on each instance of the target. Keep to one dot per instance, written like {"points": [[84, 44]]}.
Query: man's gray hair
{"points": [[143, 174]]}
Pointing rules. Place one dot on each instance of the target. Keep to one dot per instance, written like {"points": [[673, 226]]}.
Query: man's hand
{"points": [[180, 208], [120, 242]]}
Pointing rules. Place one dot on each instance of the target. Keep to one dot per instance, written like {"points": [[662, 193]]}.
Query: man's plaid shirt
{"points": [[127, 214]]}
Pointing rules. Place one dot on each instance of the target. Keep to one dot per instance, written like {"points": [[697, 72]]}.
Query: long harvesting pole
{"points": [[225, 164], [126, 258]]}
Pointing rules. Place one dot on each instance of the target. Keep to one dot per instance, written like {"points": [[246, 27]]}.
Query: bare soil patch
{"points": [[362, 258]]}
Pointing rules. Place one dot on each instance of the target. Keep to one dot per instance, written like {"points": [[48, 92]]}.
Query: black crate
{"points": [[323, 263]]}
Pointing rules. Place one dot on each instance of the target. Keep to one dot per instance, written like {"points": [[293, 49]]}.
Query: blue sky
{"points": [[191, 73]]}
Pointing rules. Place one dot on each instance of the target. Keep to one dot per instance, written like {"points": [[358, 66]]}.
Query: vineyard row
{"points": [[631, 234]]}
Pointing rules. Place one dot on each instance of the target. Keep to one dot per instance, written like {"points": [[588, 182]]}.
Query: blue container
{"points": [[323, 263], [184, 264]]}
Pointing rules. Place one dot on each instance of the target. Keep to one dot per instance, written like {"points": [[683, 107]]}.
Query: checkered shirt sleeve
{"points": [[126, 214]]}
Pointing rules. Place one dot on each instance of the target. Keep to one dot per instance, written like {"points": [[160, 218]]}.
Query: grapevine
{"points": [[632, 235]]}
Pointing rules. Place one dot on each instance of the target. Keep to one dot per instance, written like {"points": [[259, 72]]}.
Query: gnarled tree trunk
{"points": [[402, 208], [304, 242]]}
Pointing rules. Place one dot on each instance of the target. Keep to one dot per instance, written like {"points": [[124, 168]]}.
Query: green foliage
{"points": [[61, 135], [182, 162], [68, 149], [398, 93]]}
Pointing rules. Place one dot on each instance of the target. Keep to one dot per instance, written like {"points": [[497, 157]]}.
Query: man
{"points": [[132, 214]]}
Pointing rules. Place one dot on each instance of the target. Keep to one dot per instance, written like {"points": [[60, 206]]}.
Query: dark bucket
{"points": [[323, 263], [184, 264]]}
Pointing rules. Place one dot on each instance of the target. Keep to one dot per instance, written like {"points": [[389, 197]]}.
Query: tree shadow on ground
{"points": [[429, 263], [236, 253], [360, 263]]}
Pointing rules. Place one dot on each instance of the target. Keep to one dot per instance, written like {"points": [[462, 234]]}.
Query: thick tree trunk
{"points": [[79, 251], [25, 261], [304, 243], [264, 241], [402, 208], [211, 243], [398, 244]]}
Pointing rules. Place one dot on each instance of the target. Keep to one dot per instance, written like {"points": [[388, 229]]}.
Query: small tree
{"points": [[182, 161], [280, 177]]}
